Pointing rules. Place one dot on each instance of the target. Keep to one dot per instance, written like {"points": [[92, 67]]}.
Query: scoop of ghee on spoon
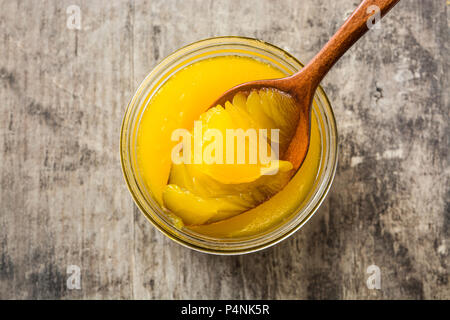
{"points": [[206, 191]]}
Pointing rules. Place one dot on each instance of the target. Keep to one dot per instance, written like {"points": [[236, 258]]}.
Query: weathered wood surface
{"points": [[63, 200]]}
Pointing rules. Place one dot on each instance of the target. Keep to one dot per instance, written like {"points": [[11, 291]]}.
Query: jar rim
{"points": [[167, 229]]}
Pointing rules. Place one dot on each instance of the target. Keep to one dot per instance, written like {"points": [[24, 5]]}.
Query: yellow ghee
{"points": [[177, 104]]}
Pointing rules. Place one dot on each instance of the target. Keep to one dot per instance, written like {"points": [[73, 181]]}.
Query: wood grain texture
{"points": [[63, 200]]}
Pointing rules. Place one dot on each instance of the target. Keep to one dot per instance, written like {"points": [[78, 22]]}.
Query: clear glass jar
{"points": [[158, 76]]}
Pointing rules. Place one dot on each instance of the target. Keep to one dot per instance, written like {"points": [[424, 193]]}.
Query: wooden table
{"points": [[64, 202]]}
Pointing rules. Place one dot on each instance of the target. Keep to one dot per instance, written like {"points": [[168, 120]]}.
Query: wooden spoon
{"points": [[302, 85]]}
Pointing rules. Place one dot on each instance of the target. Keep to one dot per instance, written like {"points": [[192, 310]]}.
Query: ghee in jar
{"points": [[230, 210]]}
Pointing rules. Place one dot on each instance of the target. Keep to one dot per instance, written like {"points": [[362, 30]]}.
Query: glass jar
{"points": [[158, 76]]}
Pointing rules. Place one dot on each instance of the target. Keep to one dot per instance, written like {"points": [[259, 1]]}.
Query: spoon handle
{"points": [[354, 28]]}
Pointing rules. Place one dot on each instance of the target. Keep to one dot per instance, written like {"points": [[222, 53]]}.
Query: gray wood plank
{"points": [[63, 200]]}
